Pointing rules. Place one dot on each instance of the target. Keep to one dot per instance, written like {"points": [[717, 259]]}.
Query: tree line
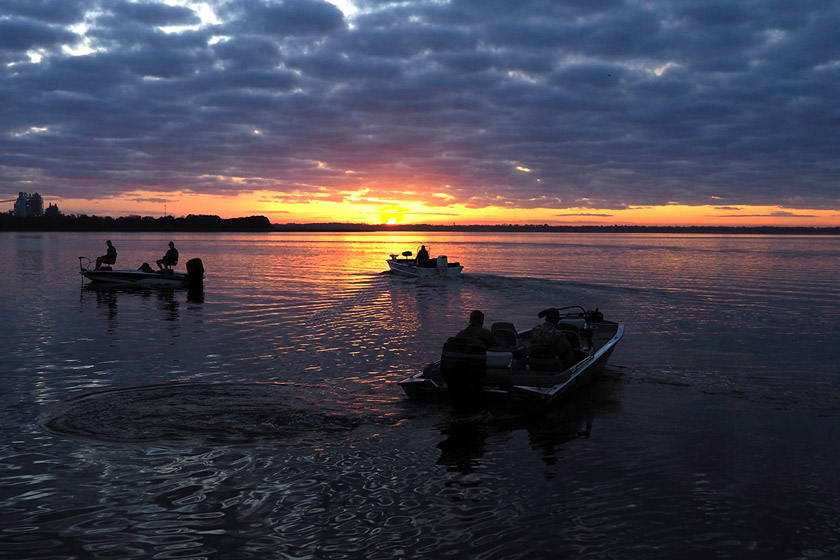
{"points": [[84, 222]]}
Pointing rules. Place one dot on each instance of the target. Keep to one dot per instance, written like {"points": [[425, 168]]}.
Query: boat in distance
{"points": [[423, 268], [144, 276], [516, 375]]}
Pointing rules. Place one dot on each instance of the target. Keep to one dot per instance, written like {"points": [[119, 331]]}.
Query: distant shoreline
{"points": [[529, 228], [261, 224]]}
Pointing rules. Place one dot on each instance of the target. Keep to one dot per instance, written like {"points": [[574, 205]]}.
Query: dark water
{"points": [[261, 419]]}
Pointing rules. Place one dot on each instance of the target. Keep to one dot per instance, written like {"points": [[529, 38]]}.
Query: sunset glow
{"points": [[419, 212]]}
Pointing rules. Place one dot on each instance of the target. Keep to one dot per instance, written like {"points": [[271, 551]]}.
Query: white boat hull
{"points": [[439, 267]]}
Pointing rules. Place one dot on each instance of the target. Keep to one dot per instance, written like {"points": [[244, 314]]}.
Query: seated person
{"points": [[110, 256], [475, 330], [170, 258], [422, 255], [548, 336]]}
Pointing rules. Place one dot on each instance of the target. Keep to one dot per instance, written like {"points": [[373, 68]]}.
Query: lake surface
{"points": [[261, 418]]}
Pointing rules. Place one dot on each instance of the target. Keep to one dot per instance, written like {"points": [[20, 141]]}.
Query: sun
{"points": [[391, 216]]}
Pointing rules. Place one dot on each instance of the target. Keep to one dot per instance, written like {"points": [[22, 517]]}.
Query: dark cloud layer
{"points": [[596, 103]]}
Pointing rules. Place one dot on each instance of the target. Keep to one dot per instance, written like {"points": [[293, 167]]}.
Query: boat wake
{"points": [[219, 412]]}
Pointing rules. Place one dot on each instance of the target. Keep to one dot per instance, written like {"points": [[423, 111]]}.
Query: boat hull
{"points": [[136, 278], [516, 386], [407, 267]]}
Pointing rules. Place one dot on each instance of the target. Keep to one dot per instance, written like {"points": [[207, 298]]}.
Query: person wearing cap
{"points": [[548, 335], [475, 330], [110, 256], [170, 258], [422, 255]]}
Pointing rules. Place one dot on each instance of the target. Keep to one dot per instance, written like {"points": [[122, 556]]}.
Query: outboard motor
{"points": [[195, 270], [462, 365], [442, 264]]}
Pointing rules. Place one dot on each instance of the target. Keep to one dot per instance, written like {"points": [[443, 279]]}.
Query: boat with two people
{"points": [[521, 373], [145, 275], [423, 266]]}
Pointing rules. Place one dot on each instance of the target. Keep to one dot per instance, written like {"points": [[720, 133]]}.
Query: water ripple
{"points": [[186, 411]]}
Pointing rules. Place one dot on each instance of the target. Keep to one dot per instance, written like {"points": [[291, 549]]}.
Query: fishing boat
{"points": [[423, 268], [144, 276], [517, 374]]}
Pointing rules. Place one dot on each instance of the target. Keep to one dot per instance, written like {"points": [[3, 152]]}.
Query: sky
{"points": [[567, 112]]}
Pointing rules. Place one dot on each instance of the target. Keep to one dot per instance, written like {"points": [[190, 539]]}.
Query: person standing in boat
{"points": [[422, 255], [170, 258], [110, 256], [475, 330], [549, 336]]}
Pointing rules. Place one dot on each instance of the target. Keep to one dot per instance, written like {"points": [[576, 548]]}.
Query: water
{"points": [[261, 418]]}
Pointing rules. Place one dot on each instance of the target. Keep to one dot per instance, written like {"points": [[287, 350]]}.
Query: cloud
{"points": [[608, 104], [776, 214], [583, 214]]}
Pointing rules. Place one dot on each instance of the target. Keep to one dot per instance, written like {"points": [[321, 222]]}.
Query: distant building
{"points": [[29, 205], [52, 210]]}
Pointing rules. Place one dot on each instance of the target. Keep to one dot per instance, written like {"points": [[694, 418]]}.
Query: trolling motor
{"points": [[593, 316]]}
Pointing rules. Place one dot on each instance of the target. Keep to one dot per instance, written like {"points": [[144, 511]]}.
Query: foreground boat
{"points": [[144, 276], [423, 268], [515, 375]]}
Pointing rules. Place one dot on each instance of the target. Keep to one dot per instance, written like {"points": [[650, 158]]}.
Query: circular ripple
{"points": [[228, 412]]}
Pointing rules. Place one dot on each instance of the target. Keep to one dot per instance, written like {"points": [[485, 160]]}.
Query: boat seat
{"points": [[506, 333], [169, 267]]}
